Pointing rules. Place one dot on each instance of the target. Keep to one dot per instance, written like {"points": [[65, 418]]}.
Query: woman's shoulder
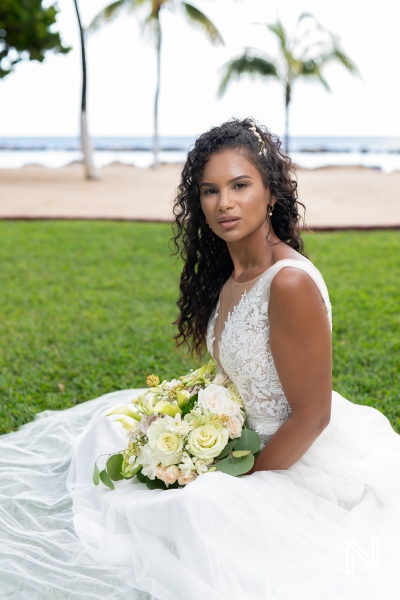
{"points": [[295, 283]]}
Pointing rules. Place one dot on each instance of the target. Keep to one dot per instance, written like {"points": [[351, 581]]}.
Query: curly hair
{"points": [[206, 261]]}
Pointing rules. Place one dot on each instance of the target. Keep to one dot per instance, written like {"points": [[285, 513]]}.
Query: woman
{"points": [[317, 516]]}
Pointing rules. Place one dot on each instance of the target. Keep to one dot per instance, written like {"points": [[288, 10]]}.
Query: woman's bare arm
{"points": [[300, 341]]}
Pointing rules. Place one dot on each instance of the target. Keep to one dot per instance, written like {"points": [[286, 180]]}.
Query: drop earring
{"points": [[270, 209]]}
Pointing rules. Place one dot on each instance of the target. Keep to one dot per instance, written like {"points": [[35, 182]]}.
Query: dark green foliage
{"points": [[189, 405], [26, 32], [87, 308]]}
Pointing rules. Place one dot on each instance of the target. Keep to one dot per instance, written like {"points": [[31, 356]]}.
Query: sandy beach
{"points": [[335, 197]]}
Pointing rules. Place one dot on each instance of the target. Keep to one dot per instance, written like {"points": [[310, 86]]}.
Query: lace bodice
{"points": [[245, 354]]}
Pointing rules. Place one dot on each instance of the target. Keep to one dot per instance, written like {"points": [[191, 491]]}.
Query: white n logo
{"points": [[354, 550], [361, 556]]}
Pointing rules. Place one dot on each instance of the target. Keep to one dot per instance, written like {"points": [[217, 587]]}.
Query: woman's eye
{"points": [[209, 191], [241, 185]]}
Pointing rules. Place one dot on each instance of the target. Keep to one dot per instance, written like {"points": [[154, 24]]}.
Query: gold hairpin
{"points": [[263, 149]]}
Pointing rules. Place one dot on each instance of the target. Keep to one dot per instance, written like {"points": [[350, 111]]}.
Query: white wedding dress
{"points": [[327, 528]]}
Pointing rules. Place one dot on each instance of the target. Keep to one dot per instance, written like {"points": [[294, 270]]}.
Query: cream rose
{"points": [[207, 441], [217, 399], [234, 426], [168, 474], [165, 445], [186, 478]]}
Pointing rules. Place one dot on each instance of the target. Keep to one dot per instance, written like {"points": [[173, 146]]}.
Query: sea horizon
{"points": [[378, 152]]}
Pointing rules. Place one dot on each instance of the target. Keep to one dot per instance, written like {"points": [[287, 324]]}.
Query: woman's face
{"points": [[232, 196]]}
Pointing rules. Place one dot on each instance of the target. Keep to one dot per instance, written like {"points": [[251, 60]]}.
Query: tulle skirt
{"points": [[328, 528]]}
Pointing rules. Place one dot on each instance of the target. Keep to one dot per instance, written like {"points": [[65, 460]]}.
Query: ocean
{"points": [[382, 153]]}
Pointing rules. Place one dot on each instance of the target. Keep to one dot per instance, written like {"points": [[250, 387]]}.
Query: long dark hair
{"points": [[206, 261]]}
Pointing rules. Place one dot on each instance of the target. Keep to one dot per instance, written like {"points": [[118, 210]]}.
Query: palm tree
{"points": [[87, 150], [299, 57], [152, 21]]}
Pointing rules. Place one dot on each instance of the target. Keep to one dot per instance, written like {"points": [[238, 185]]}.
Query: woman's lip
{"points": [[228, 224]]}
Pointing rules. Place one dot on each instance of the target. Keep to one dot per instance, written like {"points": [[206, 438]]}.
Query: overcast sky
{"points": [[43, 99]]}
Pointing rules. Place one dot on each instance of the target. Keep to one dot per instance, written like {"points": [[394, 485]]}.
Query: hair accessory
{"points": [[263, 150], [270, 209]]}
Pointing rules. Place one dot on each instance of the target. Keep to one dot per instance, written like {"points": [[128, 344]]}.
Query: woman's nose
{"points": [[225, 200]]}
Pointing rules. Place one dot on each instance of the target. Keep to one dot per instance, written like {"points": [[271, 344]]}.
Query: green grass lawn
{"points": [[87, 308]]}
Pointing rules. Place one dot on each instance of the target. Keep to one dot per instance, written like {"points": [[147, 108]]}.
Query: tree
{"points": [[87, 150], [302, 55], [25, 33], [152, 22]]}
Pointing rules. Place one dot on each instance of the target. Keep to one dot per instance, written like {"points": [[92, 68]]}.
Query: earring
{"points": [[206, 222], [270, 209]]}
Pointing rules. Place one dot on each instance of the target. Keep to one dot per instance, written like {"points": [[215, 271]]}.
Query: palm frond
{"points": [[280, 32], [196, 18], [247, 64], [312, 69], [114, 10], [339, 55], [305, 15]]}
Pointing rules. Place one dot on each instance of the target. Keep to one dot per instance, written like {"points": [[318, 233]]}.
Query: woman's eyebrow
{"points": [[230, 181]]}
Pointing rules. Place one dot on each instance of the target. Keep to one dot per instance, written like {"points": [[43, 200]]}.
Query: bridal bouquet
{"points": [[180, 429]]}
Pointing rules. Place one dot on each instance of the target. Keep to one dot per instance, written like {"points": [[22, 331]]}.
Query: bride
{"points": [[316, 518]]}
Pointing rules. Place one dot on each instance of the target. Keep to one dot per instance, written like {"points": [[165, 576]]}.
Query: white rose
{"points": [[217, 399], [186, 478], [167, 446], [234, 426], [207, 441]]}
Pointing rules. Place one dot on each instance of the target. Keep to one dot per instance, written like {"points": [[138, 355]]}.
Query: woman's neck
{"points": [[252, 256]]}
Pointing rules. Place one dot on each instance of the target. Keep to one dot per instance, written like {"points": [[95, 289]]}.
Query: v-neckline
{"points": [[235, 307]]}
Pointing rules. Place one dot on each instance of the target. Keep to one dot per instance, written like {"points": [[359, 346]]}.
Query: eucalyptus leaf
{"points": [[239, 453], [249, 440], [227, 449], [114, 467], [105, 478], [235, 466], [96, 475]]}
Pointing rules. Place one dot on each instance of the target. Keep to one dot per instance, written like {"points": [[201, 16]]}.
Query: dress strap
{"points": [[308, 268]]}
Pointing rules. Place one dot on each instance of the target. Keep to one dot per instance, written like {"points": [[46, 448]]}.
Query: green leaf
{"points": [[227, 449], [133, 473], [105, 478], [96, 475], [155, 484], [235, 466], [249, 440], [114, 467], [239, 453], [189, 405], [142, 478]]}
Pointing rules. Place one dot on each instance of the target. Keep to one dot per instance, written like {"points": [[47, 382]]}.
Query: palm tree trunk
{"points": [[87, 150], [287, 105], [156, 139]]}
